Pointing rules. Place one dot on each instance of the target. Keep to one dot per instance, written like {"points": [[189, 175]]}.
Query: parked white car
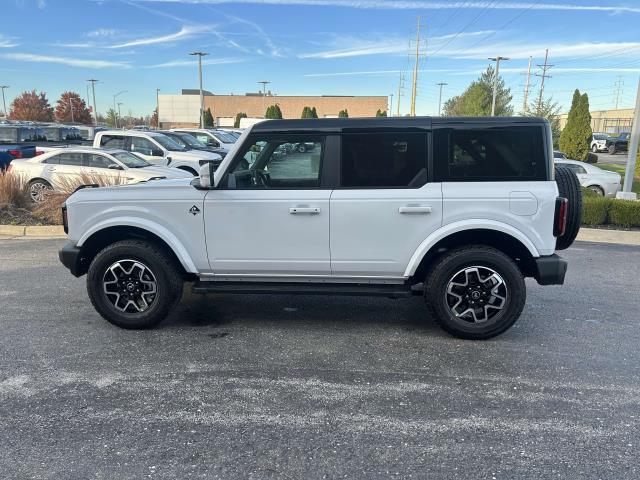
{"points": [[601, 181], [60, 168], [210, 137], [599, 142], [155, 148]]}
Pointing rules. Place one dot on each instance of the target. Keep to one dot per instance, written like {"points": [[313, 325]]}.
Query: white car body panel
{"points": [[609, 182]]}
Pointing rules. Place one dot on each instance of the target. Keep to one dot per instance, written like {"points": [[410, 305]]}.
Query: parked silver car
{"points": [[601, 181]]}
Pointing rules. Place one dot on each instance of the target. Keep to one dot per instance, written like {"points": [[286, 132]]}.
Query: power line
{"points": [[619, 84]]}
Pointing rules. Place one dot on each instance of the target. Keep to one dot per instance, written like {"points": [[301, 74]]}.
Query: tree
{"points": [[477, 98], [314, 114], [239, 117], [208, 118], [343, 113], [550, 110], [273, 112], [66, 102], [112, 117], [380, 113], [575, 139], [306, 112], [153, 121], [31, 106]]}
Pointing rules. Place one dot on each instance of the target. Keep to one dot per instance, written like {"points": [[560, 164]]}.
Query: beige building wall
{"points": [[607, 121], [177, 110]]}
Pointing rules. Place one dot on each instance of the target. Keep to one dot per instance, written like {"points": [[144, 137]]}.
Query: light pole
{"points": [[114, 104], [264, 95], [441, 84], [119, 103], [634, 141], [495, 82], [158, 108], [95, 110], [4, 103], [200, 55], [391, 106]]}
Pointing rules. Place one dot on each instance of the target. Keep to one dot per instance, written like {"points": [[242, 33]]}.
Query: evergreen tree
{"points": [[550, 110], [208, 118], [314, 114], [239, 117], [343, 113], [380, 113], [273, 112], [112, 117], [477, 98], [305, 112], [577, 133]]}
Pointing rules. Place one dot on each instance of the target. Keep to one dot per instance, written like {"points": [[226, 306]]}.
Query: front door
{"points": [[385, 206], [271, 215]]}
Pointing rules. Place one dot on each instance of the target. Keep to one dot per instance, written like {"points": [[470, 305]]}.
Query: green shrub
{"points": [[625, 213], [588, 193], [591, 158], [595, 210]]}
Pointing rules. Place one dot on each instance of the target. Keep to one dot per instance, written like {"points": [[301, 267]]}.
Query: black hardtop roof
{"points": [[339, 124]]}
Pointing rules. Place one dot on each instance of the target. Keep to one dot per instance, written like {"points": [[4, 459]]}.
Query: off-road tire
{"points": [[612, 150], [167, 274], [569, 188], [453, 261]]}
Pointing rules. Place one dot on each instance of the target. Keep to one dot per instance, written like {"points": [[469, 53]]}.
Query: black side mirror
{"points": [[157, 152]]}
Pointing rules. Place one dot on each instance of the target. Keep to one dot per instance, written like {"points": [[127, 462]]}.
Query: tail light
{"points": [[560, 221], [65, 220], [15, 153], [39, 152]]}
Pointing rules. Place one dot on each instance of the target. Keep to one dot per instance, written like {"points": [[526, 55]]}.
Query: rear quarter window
{"points": [[490, 154]]}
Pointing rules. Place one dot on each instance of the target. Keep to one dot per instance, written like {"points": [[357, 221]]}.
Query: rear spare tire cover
{"points": [[569, 188]]}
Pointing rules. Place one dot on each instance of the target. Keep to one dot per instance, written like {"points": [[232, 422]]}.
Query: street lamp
{"points": [[264, 94], [95, 110], [114, 105], [157, 109], [119, 103], [441, 84], [200, 55], [495, 82], [4, 103]]}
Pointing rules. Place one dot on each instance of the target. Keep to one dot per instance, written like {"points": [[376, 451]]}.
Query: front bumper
{"points": [[71, 257], [550, 270]]}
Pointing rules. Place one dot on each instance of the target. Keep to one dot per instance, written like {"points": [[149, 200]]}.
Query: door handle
{"points": [[408, 209], [304, 210]]}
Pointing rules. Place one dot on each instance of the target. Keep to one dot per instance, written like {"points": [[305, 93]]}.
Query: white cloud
{"points": [[207, 61], [7, 42], [102, 32], [185, 32], [71, 62], [418, 4], [556, 51]]}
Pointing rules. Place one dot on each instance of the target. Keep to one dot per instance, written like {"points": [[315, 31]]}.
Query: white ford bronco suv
{"points": [[458, 210]]}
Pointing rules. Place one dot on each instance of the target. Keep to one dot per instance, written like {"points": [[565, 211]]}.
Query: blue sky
{"points": [[316, 47]]}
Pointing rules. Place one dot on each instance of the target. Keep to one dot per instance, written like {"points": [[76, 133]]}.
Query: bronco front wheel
{"points": [[134, 284]]}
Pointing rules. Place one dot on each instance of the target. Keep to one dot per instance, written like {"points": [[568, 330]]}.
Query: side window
{"points": [[496, 154], [142, 146], [55, 160], [290, 161], [92, 160], [206, 139], [72, 159], [112, 141], [384, 160]]}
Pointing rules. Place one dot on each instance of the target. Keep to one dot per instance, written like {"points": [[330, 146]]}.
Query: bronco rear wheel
{"points": [[134, 284]]}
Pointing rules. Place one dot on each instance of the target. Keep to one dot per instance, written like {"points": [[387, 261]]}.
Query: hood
{"points": [[158, 171], [194, 155], [132, 191]]}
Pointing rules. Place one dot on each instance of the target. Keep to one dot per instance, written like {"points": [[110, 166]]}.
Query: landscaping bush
{"points": [[12, 191], [625, 213], [595, 210], [591, 158]]}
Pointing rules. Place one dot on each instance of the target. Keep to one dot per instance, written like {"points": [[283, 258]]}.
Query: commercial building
{"points": [[184, 110], [607, 121]]}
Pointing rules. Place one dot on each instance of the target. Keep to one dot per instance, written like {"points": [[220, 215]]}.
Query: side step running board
{"points": [[272, 288]]}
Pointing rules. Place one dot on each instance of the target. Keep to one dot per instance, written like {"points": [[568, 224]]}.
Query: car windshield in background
{"points": [[130, 160], [225, 137], [624, 136], [169, 143], [599, 136], [190, 141]]}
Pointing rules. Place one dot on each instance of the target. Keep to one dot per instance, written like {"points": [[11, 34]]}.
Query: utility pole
{"points": [[441, 84], [391, 106], [626, 193], [95, 110], [158, 108], [200, 55], [114, 105], [4, 103], [525, 103], [544, 75], [619, 89], [495, 82], [119, 103], [400, 87], [414, 88], [264, 95]]}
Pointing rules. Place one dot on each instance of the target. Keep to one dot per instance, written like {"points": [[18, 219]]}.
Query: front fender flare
{"points": [[163, 233], [473, 224]]}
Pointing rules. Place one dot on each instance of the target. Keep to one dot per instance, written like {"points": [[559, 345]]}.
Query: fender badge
{"points": [[194, 210]]}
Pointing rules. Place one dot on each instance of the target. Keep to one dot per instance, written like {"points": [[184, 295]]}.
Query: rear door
{"points": [[97, 167], [385, 205], [148, 150], [65, 170]]}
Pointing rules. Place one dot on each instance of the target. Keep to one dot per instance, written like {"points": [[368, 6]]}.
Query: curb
{"points": [[620, 237], [35, 231]]}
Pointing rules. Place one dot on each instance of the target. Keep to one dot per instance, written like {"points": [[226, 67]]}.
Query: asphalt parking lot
{"points": [[315, 387]]}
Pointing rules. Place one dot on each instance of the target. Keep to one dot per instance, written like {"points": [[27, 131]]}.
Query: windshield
{"points": [[599, 136], [624, 135], [169, 143], [225, 137], [191, 141], [130, 160]]}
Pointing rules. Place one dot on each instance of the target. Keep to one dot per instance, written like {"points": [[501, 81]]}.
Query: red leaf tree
{"points": [[31, 106], [80, 113]]}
